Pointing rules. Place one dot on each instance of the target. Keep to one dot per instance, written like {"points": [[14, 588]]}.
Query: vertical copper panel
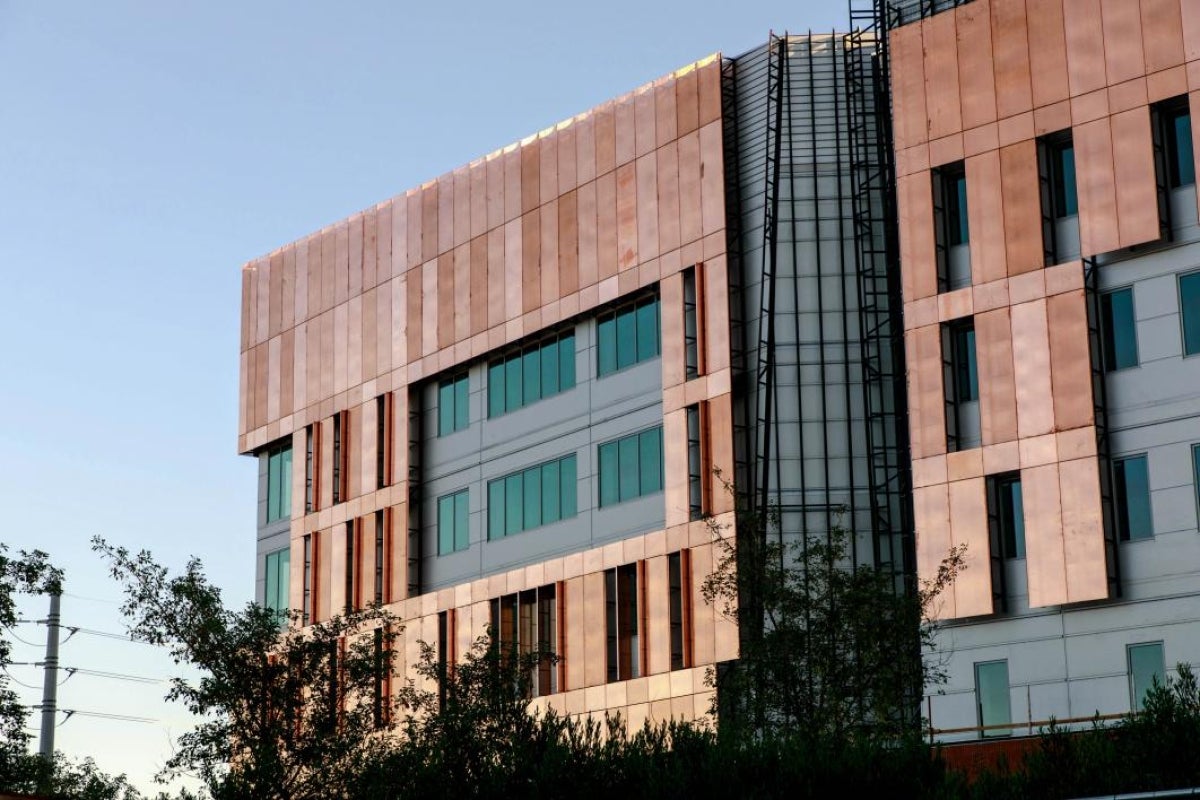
{"points": [[969, 526], [666, 128], [997, 387], [354, 341], [714, 317], [931, 515], [941, 75], [1031, 355], [273, 378], [275, 294], [513, 269], [461, 301], [531, 248], [1044, 556], [1190, 14], [908, 86], [1085, 53], [511, 161], [658, 617], [985, 208], [479, 284], [355, 249], [646, 177], [918, 261], [1047, 51], [341, 269], [548, 253], [978, 86], [312, 367], [341, 344], [399, 321], [668, 197], [690, 210], [588, 234], [626, 129], [365, 447], [645, 123], [1070, 360], [1022, 207], [1122, 25], [325, 442], [414, 317], [461, 192], [247, 276], [703, 614], [1162, 34], [1083, 530], [671, 298], [370, 328], [687, 103], [606, 225], [328, 269], [712, 178], [1010, 52], [531, 172], [262, 300], [301, 300], [709, 79], [327, 363], [594, 670], [494, 188], [370, 273], [299, 368], [720, 447], [568, 244], [478, 202], [627, 242], [548, 167], [496, 276], [927, 413], [315, 299], [675, 466], [251, 391], [415, 223], [605, 136], [1137, 192], [585, 148], [1098, 220]]}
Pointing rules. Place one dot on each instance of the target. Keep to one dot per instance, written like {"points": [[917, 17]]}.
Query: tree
{"points": [[284, 712], [829, 648]]}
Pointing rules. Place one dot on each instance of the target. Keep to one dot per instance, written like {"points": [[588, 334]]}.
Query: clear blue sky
{"points": [[148, 150]]}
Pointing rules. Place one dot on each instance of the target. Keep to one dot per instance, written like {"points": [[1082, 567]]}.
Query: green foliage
{"points": [[279, 710]]}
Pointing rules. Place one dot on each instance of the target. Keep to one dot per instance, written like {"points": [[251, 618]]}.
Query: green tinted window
{"points": [[453, 522], [1146, 665], [631, 467], [536, 496], [532, 369], [1066, 195], [1181, 162], [991, 693], [566, 361], [627, 336], [514, 386], [966, 369], [1189, 306], [549, 358], [461, 515], [1117, 329], [452, 405], [1131, 490], [279, 483], [528, 375], [278, 580], [496, 389]]}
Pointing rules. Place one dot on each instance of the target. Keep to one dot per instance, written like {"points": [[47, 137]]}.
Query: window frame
{"points": [[994, 733], [1108, 346], [1136, 698], [459, 541], [1192, 275], [1120, 496]]}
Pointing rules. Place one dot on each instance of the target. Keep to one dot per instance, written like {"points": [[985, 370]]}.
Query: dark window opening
{"points": [[1118, 330], [951, 227], [622, 649]]}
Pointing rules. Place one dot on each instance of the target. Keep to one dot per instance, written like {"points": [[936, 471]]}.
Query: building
{"points": [[499, 397]]}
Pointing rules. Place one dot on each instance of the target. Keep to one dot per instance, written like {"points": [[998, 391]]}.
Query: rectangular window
{"points": [[1118, 330], [691, 324], [351, 566], [1196, 473], [452, 405], [1189, 307], [524, 625], [452, 522], [381, 520], [679, 582], [278, 581], [279, 481], [621, 623], [527, 375], [309, 593], [695, 452], [1146, 665], [445, 651], [992, 698], [1174, 118], [627, 336], [381, 693], [631, 467], [383, 441], [1012, 516], [1064, 195], [535, 496], [311, 432], [1059, 197], [341, 455], [1131, 495], [961, 376], [951, 230]]}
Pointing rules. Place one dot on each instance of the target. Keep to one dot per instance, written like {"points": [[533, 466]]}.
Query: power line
{"points": [[120, 676]]}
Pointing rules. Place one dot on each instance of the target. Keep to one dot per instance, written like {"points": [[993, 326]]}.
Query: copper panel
{"points": [[1045, 559], [964, 464], [665, 120], [1137, 190], [941, 75], [248, 277], [370, 271], [262, 300], [687, 103], [671, 299], [568, 178], [1022, 207], [691, 214], [985, 209], [709, 78], [1010, 53], [414, 217], [1083, 530], [646, 176], [548, 167], [712, 178], [414, 318], [1089, 107], [626, 217], [606, 225], [1052, 118], [548, 253], [703, 614], [594, 671], [341, 275], [1085, 53], [675, 466], [978, 86], [341, 348], [479, 284], [568, 244], [275, 294], [460, 190], [588, 233], [969, 527], [365, 447], [274, 347], [1168, 83], [477, 202], [399, 322], [927, 418], [714, 319], [585, 148], [299, 367], [354, 342], [325, 462], [605, 138], [494, 189], [1047, 51], [312, 365], [931, 515], [997, 386], [328, 268], [513, 192], [644, 122], [1122, 24], [1127, 95], [1031, 355], [1016, 128], [531, 253], [946, 150], [668, 197], [531, 171], [625, 123], [1098, 221], [512, 281], [1070, 360], [658, 617], [461, 295], [720, 448], [313, 260], [369, 328], [918, 261], [908, 86], [1190, 14], [327, 363]]}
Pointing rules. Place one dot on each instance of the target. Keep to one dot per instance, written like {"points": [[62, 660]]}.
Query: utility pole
{"points": [[50, 686]]}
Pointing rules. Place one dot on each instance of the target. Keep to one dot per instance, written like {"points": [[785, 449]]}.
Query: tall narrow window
{"points": [[621, 623], [278, 579], [380, 705], [452, 523], [1146, 665], [1118, 330], [1174, 119], [341, 453], [351, 567], [546, 680], [381, 520], [678, 583], [306, 609], [1059, 196], [631, 467], [279, 481], [311, 432], [992, 700], [961, 378], [453, 412], [696, 470], [691, 324], [1006, 530], [1189, 309], [951, 230], [445, 651], [1131, 495], [627, 336], [1196, 472], [383, 440]]}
